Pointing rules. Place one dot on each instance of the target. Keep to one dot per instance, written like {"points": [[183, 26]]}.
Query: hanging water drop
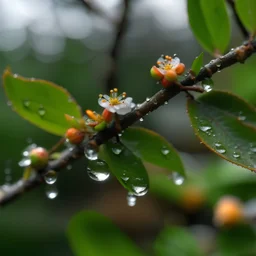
{"points": [[166, 103], [25, 162], [98, 170], [41, 111], [90, 154], [50, 177], [177, 178], [26, 103], [131, 199], [207, 87], [165, 151], [218, 65], [51, 192], [141, 119], [117, 149], [140, 190]]}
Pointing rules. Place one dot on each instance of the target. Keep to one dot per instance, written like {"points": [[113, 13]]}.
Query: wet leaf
{"points": [[173, 241], [197, 64], [91, 234], [210, 24], [153, 148], [41, 102], [226, 124], [246, 10], [217, 21], [198, 25], [127, 167]]}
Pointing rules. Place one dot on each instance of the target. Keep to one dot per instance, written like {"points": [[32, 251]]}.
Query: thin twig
{"points": [[238, 55], [120, 30], [238, 21]]}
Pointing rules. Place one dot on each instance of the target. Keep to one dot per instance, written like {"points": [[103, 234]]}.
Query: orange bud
{"points": [[107, 115], [91, 115], [155, 73], [39, 157], [165, 83], [74, 136], [228, 211], [170, 75], [180, 69]]}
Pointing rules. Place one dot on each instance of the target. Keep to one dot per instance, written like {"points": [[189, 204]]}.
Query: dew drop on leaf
{"points": [[50, 177], [177, 178], [117, 149], [219, 148], [26, 103], [131, 199], [236, 155], [205, 128], [51, 192], [9, 103], [98, 170], [41, 111], [90, 154], [165, 151]]}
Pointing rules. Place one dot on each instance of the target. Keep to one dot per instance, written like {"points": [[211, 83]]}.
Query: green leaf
{"points": [[246, 10], [239, 240], [153, 148], [226, 124], [40, 102], [210, 23], [198, 25], [127, 167], [176, 241], [217, 21], [92, 234], [197, 64]]}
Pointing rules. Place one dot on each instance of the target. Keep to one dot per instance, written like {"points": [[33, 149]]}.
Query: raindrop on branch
{"points": [[177, 178], [50, 177], [51, 192]]}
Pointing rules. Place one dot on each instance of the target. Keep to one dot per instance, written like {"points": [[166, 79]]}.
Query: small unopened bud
{"points": [[228, 211], [39, 157], [180, 69], [155, 73], [170, 75], [100, 127], [74, 136], [107, 115]]}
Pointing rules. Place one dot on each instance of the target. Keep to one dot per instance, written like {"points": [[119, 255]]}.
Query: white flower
{"points": [[166, 63], [116, 103]]}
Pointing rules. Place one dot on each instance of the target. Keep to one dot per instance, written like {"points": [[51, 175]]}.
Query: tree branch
{"points": [[10, 192]]}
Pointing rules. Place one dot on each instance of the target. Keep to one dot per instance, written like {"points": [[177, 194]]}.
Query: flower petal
{"points": [[123, 111], [128, 100], [175, 62], [103, 103]]}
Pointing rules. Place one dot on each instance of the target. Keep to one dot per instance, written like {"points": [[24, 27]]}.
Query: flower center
{"points": [[114, 101], [167, 66]]}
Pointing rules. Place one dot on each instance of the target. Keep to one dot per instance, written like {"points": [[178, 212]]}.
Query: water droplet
{"points": [[27, 150], [131, 199], [147, 99], [9, 103], [166, 103], [175, 55], [140, 190], [141, 119], [26, 103], [165, 151], [177, 178], [241, 118], [205, 128], [253, 149], [219, 148], [117, 149], [124, 176], [50, 177], [41, 111], [69, 167], [98, 170], [90, 154], [236, 155], [69, 145], [232, 49], [207, 87], [24, 162], [51, 192], [218, 65]]}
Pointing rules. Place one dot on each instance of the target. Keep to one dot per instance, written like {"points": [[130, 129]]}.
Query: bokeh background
{"points": [[63, 42]]}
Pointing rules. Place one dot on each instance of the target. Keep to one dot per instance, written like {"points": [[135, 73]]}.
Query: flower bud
{"points": [[155, 73], [165, 83], [228, 211], [74, 136], [39, 157], [107, 115], [180, 69], [170, 75], [101, 126]]}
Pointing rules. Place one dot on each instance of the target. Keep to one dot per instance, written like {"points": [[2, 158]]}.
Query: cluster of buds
{"points": [[167, 70]]}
